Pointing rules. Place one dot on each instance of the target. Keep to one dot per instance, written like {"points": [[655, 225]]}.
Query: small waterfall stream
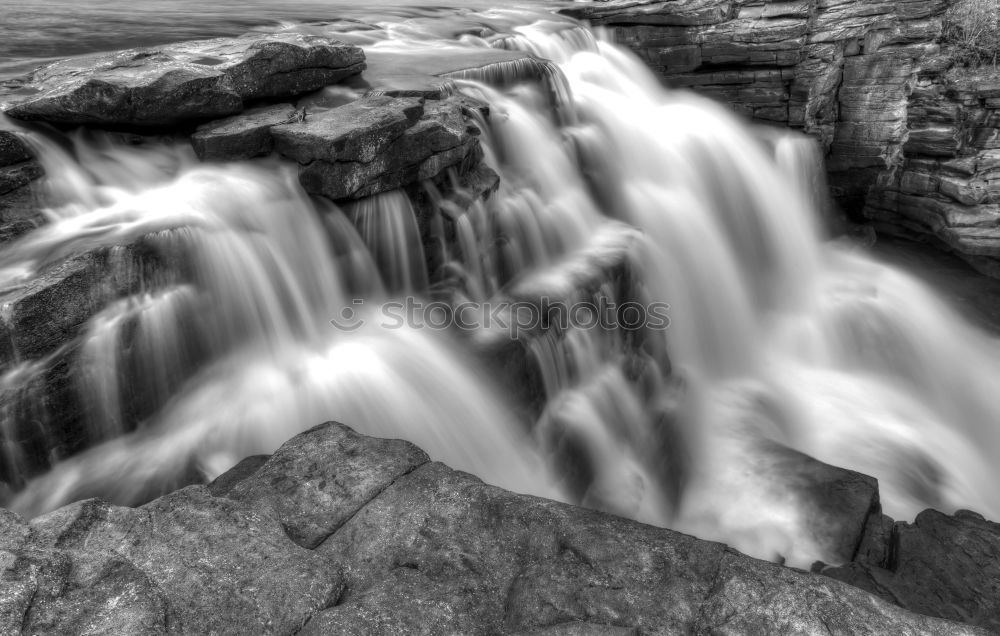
{"points": [[774, 334]]}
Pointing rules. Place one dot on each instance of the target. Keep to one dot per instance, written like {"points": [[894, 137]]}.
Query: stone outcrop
{"points": [[946, 188], [340, 533], [189, 81], [379, 143], [911, 143], [19, 212], [940, 565]]}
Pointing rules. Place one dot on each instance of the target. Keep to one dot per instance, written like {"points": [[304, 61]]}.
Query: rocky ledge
{"points": [[338, 533], [910, 139], [182, 82]]}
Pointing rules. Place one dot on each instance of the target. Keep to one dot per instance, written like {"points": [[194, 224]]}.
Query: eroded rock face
{"points": [[911, 143], [401, 545], [940, 565], [841, 71], [188, 81], [379, 143], [947, 186]]}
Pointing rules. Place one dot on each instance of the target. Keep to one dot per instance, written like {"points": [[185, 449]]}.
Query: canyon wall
{"points": [[912, 141]]}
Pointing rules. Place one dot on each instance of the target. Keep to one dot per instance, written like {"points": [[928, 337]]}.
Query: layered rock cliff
{"points": [[910, 139]]}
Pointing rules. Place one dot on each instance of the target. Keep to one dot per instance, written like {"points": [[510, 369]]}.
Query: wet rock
{"points": [[182, 82], [12, 149], [940, 565], [242, 136], [379, 143], [356, 132], [842, 506], [47, 312]]}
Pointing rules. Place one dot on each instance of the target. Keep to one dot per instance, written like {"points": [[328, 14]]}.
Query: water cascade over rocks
{"points": [[612, 190]]}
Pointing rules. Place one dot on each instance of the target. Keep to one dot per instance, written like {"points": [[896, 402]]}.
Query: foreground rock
{"points": [[400, 545], [938, 565], [182, 82]]}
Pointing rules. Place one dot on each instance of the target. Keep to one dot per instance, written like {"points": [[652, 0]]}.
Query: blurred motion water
{"points": [[775, 335], [33, 31]]}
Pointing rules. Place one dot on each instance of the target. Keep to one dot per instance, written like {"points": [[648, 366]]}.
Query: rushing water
{"points": [[775, 336]]}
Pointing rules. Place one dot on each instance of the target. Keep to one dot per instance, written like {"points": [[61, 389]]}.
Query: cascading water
{"points": [[775, 336]]}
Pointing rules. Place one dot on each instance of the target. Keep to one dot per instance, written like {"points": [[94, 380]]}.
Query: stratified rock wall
{"points": [[910, 143]]}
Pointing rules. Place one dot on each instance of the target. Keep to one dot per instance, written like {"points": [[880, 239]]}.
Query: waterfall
{"points": [[613, 189]]}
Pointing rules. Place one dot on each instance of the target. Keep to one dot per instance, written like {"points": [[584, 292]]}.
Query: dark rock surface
{"points": [[242, 136], [379, 143], [940, 565], [404, 546], [196, 80], [19, 209]]}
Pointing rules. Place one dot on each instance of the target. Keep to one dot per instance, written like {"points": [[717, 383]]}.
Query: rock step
{"points": [[183, 82], [380, 143], [401, 545]]}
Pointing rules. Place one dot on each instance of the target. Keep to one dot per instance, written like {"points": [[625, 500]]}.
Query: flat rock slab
{"points": [[377, 144], [188, 81], [242, 136], [415, 548]]}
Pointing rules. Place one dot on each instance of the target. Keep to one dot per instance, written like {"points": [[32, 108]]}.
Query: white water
{"points": [[775, 334]]}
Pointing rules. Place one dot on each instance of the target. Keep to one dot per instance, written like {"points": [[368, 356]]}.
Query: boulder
{"points": [[415, 547], [242, 136], [12, 149], [379, 143], [940, 565], [188, 81]]}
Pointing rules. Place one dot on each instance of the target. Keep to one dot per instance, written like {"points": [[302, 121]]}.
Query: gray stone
{"points": [[242, 136], [380, 143]]}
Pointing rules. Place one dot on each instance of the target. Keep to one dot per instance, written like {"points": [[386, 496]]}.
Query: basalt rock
{"points": [[940, 565], [379, 143], [189, 81], [405, 546]]}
